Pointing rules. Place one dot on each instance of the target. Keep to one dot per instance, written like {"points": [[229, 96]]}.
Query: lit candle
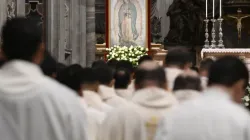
{"points": [[220, 8], [213, 8], [206, 8]]}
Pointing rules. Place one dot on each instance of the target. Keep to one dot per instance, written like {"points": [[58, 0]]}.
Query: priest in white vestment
{"points": [[218, 113], [106, 90], [177, 61], [33, 106], [138, 120], [90, 87], [203, 71], [187, 87], [76, 78], [122, 81]]}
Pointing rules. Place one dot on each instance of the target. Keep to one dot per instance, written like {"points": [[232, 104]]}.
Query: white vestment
{"points": [[138, 120], [204, 82], [185, 95], [35, 107], [94, 100], [109, 96], [212, 116], [95, 119], [171, 75], [124, 93]]}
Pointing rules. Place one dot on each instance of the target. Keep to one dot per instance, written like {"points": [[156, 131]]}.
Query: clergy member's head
{"points": [[49, 65], [205, 66], [127, 65], [187, 81], [122, 78], [72, 78], [178, 58], [144, 59], [22, 40], [150, 74], [230, 74], [105, 76], [89, 80]]}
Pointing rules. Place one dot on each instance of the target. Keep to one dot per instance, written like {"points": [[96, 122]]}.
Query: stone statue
{"points": [[186, 22], [11, 8]]}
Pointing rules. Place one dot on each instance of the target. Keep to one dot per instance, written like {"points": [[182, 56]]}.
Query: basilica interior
{"points": [[79, 31]]}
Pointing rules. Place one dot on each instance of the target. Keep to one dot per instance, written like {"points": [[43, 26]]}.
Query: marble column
{"points": [[55, 29], [91, 39], [66, 30], [3, 13], [20, 7]]}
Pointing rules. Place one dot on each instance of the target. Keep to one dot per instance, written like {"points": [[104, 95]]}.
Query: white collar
{"points": [[217, 92], [106, 92], [22, 68], [91, 96]]}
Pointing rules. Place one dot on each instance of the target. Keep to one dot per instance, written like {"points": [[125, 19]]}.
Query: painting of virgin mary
{"points": [[127, 24]]}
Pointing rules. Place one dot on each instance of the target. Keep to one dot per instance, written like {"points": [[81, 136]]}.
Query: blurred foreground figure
{"points": [[32, 106], [139, 120], [217, 114]]}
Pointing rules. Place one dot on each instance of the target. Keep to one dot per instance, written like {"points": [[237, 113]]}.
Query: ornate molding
{"points": [[11, 9], [224, 51]]}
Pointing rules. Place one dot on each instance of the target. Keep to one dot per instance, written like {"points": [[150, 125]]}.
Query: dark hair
{"points": [[178, 57], [112, 64], [60, 66], [71, 77], [157, 75], [187, 82], [104, 75], [122, 78], [227, 71], [49, 64], [206, 64], [144, 58], [98, 63], [21, 38], [194, 68], [125, 64], [89, 76]]}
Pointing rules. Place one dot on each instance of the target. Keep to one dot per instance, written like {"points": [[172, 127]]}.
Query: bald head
{"points": [[150, 74]]}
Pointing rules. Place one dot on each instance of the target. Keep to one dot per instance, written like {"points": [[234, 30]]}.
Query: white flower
{"points": [[246, 98], [246, 104]]}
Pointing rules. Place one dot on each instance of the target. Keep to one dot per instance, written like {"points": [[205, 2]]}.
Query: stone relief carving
{"points": [[11, 9], [67, 47]]}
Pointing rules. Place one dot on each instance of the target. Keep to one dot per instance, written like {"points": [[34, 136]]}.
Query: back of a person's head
{"points": [[125, 64], [178, 57], [112, 63], [145, 58], [49, 65], [22, 39], [104, 75], [122, 78], [98, 63], [88, 76], [150, 74], [206, 64], [71, 77], [60, 66], [227, 71], [187, 82]]}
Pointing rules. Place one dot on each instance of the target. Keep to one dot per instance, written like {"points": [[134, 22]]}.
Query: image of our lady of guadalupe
{"points": [[127, 24]]}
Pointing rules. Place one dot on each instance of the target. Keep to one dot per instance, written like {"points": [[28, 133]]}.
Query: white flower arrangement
{"points": [[132, 53], [246, 98]]}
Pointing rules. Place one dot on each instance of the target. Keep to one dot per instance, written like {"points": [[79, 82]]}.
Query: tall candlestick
{"points": [[220, 8], [206, 9], [213, 8]]}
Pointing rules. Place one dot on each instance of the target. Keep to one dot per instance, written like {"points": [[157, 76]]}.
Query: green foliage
{"points": [[132, 54]]}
